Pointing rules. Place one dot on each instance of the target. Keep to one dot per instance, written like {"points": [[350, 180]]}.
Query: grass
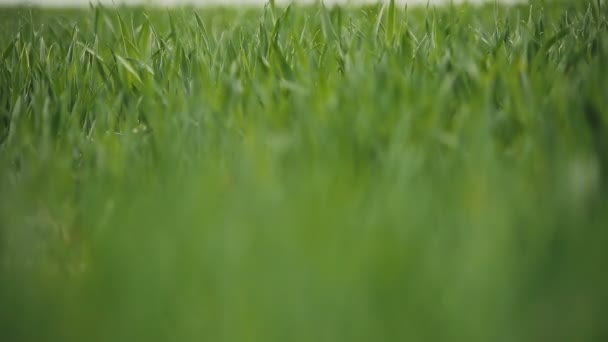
{"points": [[307, 173]]}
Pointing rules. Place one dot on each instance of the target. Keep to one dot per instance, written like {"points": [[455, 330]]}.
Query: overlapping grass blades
{"points": [[304, 173]]}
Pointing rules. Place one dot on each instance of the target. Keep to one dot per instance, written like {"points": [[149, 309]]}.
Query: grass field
{"points": [[370, 173]]}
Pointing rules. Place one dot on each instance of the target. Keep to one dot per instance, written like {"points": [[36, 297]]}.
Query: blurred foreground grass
{"points": [[304, 174]]}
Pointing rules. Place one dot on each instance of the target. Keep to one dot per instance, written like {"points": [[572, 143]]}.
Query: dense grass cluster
{"points": [[306, 173]]}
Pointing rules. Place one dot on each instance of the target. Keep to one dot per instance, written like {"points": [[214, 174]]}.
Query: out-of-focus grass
{"points": [[304, 174]]}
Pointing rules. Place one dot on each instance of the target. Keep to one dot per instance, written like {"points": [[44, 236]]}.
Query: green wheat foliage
{"points": [[304, 173]]}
